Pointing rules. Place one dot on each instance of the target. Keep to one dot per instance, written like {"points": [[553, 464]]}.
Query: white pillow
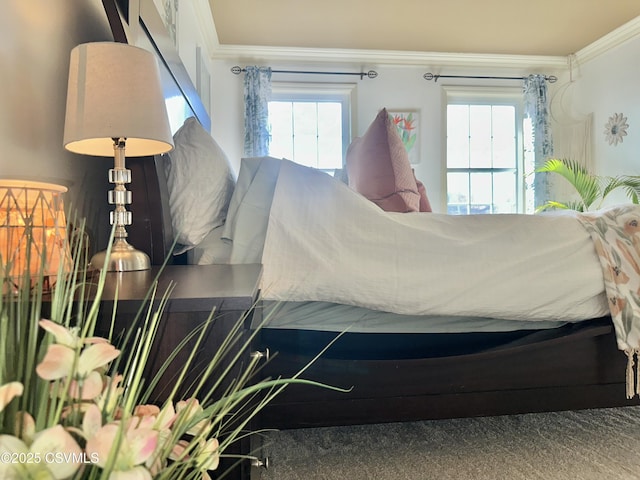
{"points": [[212, 250], [200, 181]]}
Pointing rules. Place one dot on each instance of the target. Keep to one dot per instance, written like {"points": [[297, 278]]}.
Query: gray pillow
{"points": [[200, 182]]}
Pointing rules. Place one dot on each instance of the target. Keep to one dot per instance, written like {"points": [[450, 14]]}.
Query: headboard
{"points": [[151, 230]]}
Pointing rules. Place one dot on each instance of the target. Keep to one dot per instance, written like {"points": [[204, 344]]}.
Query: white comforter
{"points": [[325, 242]]}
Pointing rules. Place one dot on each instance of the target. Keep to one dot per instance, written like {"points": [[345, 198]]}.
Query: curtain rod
{"points": [[431, 76], [370, 74]]}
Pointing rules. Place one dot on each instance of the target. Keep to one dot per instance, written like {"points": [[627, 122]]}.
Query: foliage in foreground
{"points": [[73, 405]]}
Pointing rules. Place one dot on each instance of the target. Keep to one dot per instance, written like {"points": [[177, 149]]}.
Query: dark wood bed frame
{"points": [[573, 367]]}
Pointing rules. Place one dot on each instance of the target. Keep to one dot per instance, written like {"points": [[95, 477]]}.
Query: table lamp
{"points": [[115, 101], [33, 231]]}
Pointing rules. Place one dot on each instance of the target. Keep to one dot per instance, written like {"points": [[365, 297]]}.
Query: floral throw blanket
{"points": [[616, 236]]}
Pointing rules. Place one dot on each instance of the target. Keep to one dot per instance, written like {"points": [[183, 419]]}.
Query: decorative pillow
{"points": [[200, 181], [379, 168], [425, 205]]}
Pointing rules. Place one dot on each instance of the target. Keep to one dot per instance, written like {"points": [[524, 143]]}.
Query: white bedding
{"points": [[325, 242]]}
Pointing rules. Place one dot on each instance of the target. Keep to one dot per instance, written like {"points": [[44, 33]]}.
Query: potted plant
{"points": [[74, 406], [591, 189]]}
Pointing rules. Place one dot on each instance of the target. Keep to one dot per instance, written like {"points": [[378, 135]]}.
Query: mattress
{"points": [[333, 317], [304, 329]]}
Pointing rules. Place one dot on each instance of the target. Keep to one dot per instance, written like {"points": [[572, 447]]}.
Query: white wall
{"points": [[587, 96], [190, 37], [227, 106], [606, 85]]}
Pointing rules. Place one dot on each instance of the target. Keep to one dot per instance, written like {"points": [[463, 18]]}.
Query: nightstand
{"points": [[232, 290]]}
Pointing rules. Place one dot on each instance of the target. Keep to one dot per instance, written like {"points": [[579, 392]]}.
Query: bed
{"points": [[442, 363], [505, 352], [501, 342]]}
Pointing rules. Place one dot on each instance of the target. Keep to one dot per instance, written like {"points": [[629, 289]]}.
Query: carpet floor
{"points": [[602, 444]]}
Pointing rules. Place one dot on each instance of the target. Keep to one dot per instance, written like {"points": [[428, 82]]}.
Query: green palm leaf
{"points": [[578, 206], [589, 187], [586, 185], [630, 184]]}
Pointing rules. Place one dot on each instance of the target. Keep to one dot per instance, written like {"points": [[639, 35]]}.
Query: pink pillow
{"points": [[425, 205], [378, 167]]}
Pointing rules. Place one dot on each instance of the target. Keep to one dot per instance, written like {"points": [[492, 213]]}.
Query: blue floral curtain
{"points": [[257, 91], [536, 108]]}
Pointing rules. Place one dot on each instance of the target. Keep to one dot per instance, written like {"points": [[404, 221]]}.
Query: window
{"points": [[311, 123], [484, 151]]}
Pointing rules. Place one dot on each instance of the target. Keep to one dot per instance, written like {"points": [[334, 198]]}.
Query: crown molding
{"points": [[206, 26], [611, 40], [375, 58]]}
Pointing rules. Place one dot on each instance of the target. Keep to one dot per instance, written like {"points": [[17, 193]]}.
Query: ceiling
{"points": [[515, 27]]}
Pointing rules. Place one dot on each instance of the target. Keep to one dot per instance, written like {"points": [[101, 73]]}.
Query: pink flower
{"points": [[91, 422], [52, 443], [134, 444], [165, 417], [189, 411], [205, 454], [57, 363], [63, 336], [87, 388], [67, 337], [146, 410], [86, 383], [162, 422], [8, 392], [62, 360], [24, 427], [208, 457]]}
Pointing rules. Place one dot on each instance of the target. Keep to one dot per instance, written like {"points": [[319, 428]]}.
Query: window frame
{"points": [[343, 93], [474, 95]]}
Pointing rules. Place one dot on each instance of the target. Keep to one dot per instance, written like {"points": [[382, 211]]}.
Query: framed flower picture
{"points": [[408, 124]]}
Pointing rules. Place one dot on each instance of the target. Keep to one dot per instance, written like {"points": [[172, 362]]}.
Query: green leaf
{"points": [[589, 187], [551, 205], [586, 185]]}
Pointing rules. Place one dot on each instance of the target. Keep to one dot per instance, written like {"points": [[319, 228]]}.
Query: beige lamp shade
{"points": [[33, 230], [114, 91]]}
